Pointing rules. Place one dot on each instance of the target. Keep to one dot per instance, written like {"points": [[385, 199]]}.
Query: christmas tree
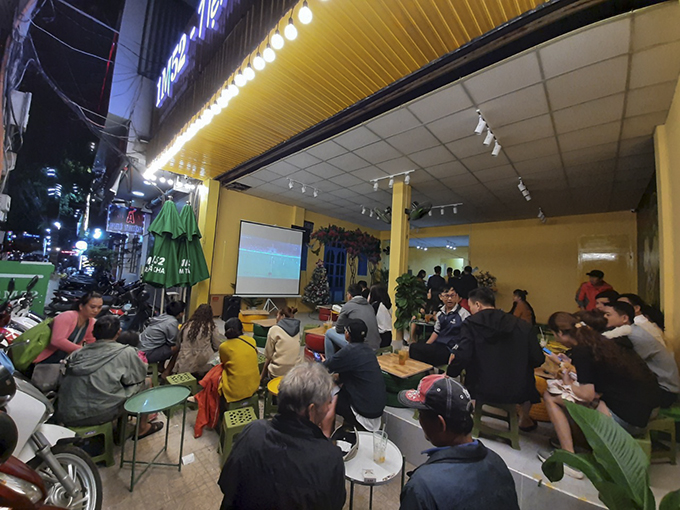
{"points": [[317, 291]]}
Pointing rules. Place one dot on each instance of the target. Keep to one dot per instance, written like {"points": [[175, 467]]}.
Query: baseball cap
{"points": [[596, 273], [440, 394], [357, 330]]}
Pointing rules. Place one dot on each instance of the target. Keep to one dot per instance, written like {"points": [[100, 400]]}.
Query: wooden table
{"points": [[265, 323], [254, 312], [390, 363], [321, 331]]}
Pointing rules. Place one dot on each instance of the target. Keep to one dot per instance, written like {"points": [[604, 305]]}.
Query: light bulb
{"points": [[162, 180], [258, 62], [240, 80], [316, 192], [455, 209], [290, 184], [489, 137], [305, 14], [425, 248], [370, 214], [232, 89], [170, 181], [407, 179], [303, 189], [269, 54], [290, 31], [375, 186], [277, 40], [249, 73], [216, 108], [454, 247], [430, 213], [207, 116], [391, 183], [442, 211], [223, 100]]}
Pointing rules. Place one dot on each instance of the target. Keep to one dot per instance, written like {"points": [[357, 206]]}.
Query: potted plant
{"points": [[410, 298]]}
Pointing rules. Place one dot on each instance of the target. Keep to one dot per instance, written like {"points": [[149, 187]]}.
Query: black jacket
{"points": [[499, 353], [465, 284], [469, 477], [283, 464]]}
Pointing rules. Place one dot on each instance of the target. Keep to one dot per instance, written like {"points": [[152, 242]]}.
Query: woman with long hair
{"points": [[282, 351], [521, 307], [380, 300], [611, 378], [199, 340]]}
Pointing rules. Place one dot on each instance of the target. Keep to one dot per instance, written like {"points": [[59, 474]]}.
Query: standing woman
{"points": [[199, 340], [381, 303], [282, 351], [240, 374], [72, 329], [521, 307]]}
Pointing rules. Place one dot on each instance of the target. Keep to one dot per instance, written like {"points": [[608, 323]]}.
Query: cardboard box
{"points": [[216, 303]]}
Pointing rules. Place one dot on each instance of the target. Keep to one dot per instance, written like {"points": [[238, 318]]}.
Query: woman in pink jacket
{"points": [[72, 329]]}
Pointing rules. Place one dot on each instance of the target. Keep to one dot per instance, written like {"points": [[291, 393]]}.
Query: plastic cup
{"points": [[403, 356], [379, 446]]}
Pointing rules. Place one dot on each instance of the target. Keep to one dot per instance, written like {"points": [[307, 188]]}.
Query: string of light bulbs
{"points": [[490, 137], [390, 183], [303, 187], [442, 208], [451, 246], [230, 89]]}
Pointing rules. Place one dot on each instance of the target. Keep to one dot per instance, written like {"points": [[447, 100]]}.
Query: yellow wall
{"points": [[548, 260], [233, 208]]}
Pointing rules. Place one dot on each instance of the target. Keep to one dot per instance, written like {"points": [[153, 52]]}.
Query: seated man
{"points": [[356, 307], [363, 395], [499, 353], [437, 349], [288, 463], [460, 472], [157, 341], [99, 378], [620, 316], [605, 298]]}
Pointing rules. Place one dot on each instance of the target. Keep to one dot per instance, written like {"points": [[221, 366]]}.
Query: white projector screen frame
{"points": [[263, 286]]}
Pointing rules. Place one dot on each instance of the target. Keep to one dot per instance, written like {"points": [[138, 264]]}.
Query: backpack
{"points": [[28, 346]]}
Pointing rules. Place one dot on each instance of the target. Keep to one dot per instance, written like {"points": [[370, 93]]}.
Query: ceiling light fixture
{"points": [[489, 137], [240, 80], [161, 180], [406, 174], [481, 124], [407, 179], [233, 89], [290, 31], [277, 40], [138, 193], [521, 185], [391, 183], [303, 189], [455, 209], [269, 54], [259, 62], [429, 213], [541, 215], [363, 210], [290, 184], [316, 192], [305, 14], [248, 72], [496, 149], [375, 186], [442, 211], [370, 214]]}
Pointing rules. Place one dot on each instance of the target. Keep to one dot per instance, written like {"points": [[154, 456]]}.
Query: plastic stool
{"points": [[233, 423], [645, 443], [260, 362], [184, 379], [305, 328], [105, 430], [253, 402], [511, 419], [384, 350], [667, 426], [272, 391], [154, 374]]}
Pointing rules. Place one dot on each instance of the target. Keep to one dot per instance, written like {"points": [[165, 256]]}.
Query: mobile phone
{"points": [[547, 351]]}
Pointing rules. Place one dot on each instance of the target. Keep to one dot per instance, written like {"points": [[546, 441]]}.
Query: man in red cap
{"points": [[460, 472], [587, 292]]}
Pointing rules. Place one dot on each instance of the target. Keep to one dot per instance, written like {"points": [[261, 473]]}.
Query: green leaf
{"points": [[615, 451], [670, 501], [584, 462], [615, 497]]}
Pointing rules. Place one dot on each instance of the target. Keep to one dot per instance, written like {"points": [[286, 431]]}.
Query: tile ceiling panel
{"points": [[592, 113], [413, 140], [635, 146], [324, 170], [655, 65], [516, 106], [326, 150], [540, 164], [656, 98], [466, 147], [377, 152], [440, 103], [447, 169], [400, 164], [502, 79], [642, 125], [658, 25], [588, 137], [355, 138], [454, 127], [542, 147], [525, 131]]}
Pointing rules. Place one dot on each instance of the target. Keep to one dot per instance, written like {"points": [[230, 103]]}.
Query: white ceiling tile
{"points": [[456, 126], [467, 181], [305, 177], [362, 189], [635, 146], [532, 150], [368, 173], [250, 180], [302, 160], [495, 174], [266, 175], [525, 131], [413, 140], [519, 105], [445, 101], [326, 150], [592, 113], [511, 75], [655, 65], [642, 125], [377, 152], [504, 186], [348, 162], [598, 153], [543, 164], [650, 99], [355, 138], [447, 169], [431, 157], [656, 25], [634, 162], [606, 166], [484, 161], [397, 165], [394, 122], [585, 47], [593, 180], [466, 147], [592, 82], [342, 193], [326, 186], [346, 180], [546, 180], [324, 170], [282, 168], [588, 137]]}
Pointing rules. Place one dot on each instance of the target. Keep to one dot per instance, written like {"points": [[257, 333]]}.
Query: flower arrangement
{"points": [[355, 242], [486, 279]]}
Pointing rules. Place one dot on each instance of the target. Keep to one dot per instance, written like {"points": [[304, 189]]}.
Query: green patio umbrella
{"points": [[162, 266], [192, 266]]}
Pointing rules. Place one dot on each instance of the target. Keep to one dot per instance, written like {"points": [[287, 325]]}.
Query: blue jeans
{"points": [[333, 342]]}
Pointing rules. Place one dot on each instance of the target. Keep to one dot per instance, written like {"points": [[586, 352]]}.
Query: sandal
{"points": [[530, 428], [153, 428]]}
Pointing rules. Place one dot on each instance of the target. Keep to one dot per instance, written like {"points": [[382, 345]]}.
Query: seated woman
{"points": [[282, 351], [382, 304], [611, 378], [521, 307], [199, 340], [240, 374], [73, 329]]}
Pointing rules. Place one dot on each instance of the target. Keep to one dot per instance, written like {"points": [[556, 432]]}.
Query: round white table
{"points": [[354, 468]]}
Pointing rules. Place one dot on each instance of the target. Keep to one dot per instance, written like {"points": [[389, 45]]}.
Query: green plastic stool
{"points": [[260, 362], [663, 426], [154, 374], [105, 430], [512, 434], [384, 350], [184, 379], [253, 402], [233, 423], [645, 443]]}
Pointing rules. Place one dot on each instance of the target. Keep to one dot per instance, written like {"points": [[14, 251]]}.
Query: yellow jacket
{"points": [[240, 374]]}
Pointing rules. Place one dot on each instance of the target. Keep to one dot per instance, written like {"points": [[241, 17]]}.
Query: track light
{"points": [[305, 13], [259, 62], [455, 209], [442, 211], [496, 149], [316, 192], [363, 210], [303, 189], [370, 214], [290, 184], [454, 247], [375, 186], [391, 183], [407, 179], [290, 31], [521, 185], [526, 195], [277, 40], [429, 212], [425, 248], [480, 125], [489, 137], [269, 54], [233, 89]]}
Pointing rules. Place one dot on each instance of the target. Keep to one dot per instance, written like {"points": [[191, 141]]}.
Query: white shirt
{"points": [[384, 318], [650, 328]]}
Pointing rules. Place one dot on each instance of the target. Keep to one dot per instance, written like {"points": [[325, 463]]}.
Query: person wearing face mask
{"points": [[302, 466]]}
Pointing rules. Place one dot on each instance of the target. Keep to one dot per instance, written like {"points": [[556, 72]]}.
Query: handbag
{"points": [[47, 376], [30, 344]]}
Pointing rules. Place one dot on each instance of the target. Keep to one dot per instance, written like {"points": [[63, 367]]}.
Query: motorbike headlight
{"points": [[27, 489]]}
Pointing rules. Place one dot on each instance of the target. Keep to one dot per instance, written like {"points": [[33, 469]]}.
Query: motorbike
{"points": [[64, 300]]}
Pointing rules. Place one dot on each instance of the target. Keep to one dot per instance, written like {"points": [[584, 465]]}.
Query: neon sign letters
{"points": [[208, 13]]}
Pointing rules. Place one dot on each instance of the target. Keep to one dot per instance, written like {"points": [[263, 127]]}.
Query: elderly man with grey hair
{"points": [[288, 462]]}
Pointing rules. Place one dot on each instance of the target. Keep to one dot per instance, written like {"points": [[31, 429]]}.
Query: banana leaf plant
{"points": [[617, 466]]}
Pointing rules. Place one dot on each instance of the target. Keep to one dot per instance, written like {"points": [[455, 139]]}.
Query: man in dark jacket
{"points": [[288, 463], [499, 353], [467, 283], [460, 472], [436, 282]]}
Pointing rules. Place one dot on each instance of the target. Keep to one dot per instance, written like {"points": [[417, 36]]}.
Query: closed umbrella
{"points": [[162, 266], [192, 266]]}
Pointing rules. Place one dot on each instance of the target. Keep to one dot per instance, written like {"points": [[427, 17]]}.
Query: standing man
{"points": [[499, 353], [465, 285], [300, 467], [588, 291], [460, 472], [436, 282], [446, 333], [356, 307]]}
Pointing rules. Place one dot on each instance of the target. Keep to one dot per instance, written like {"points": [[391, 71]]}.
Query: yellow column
{"points": [[207, 224], [399, 237]]}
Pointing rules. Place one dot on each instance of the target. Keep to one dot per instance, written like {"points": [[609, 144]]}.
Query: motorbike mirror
{"points": [[11, 285], [32, 283]]}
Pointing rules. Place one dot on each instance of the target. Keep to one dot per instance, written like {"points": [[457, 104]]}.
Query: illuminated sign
{"points": [[124, 220], [208, 13]]}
